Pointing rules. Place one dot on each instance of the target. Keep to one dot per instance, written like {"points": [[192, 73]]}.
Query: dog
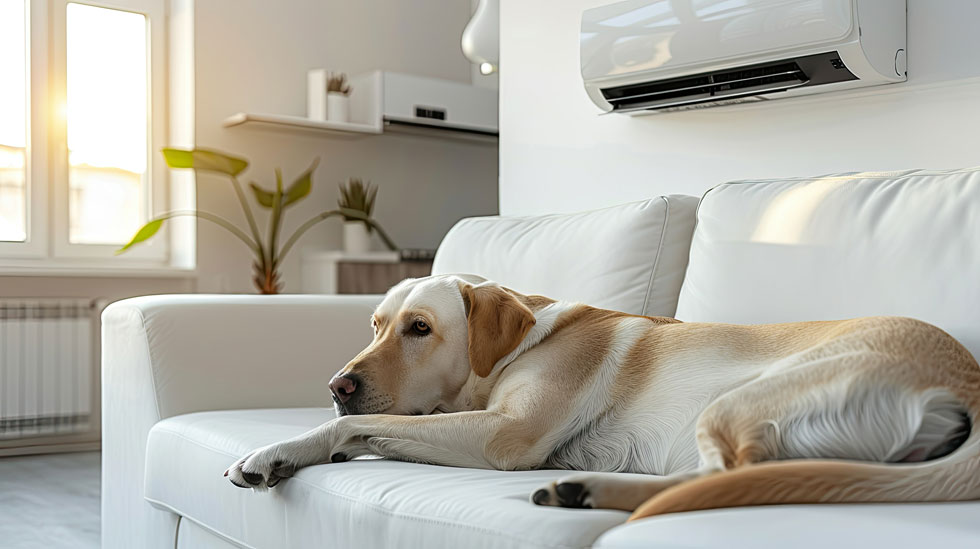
{"points": [[464, 372]]}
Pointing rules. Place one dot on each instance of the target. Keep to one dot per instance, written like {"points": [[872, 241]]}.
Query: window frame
{"points": [[48, 244]]}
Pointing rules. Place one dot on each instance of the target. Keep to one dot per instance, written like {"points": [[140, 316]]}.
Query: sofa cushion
{"points": [[363, 503], [895, 526], [841, 246], [627, 258]]}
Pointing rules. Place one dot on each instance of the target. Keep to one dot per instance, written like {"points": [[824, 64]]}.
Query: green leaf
{"points": [[344, 199], [205, 160], [145, 233], [262, 196], [369, 201], [301, 187]]}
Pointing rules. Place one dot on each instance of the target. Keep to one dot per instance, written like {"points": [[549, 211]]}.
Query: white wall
{"points": [[252, 55], [557, 154]]}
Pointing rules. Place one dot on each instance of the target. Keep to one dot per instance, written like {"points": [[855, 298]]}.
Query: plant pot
{"points": [[357, 239], [316, 94], [338, 107]]}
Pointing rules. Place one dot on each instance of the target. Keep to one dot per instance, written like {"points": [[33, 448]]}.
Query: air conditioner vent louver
{"points": [[713, 86]]}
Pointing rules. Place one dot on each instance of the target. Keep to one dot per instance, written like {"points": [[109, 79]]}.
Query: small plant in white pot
{"points": [[358, 198], [338, 98]]}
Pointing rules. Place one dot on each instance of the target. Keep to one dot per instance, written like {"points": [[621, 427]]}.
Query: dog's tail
{"points": [[954, 477]]}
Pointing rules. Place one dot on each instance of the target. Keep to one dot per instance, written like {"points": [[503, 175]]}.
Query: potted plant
{"points": [[338, 98], [268, 253], [356, 196]]}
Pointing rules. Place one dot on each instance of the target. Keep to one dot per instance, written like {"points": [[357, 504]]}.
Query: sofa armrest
{"points": [[164, 356]]}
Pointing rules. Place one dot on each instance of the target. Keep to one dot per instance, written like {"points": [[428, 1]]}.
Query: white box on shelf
{"points": [[316, 93]]}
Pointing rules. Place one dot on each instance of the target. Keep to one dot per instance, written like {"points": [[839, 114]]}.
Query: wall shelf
{"points": [[386, 102], [300, 123]]}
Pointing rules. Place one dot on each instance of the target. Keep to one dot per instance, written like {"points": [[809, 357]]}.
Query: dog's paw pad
{"points": [[541, 497], [260, 470], [572, 495], [253, 478]]}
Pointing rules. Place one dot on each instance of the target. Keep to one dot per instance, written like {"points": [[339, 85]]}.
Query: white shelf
{"points": [[283, 122], [356, 257], [368, 115]]}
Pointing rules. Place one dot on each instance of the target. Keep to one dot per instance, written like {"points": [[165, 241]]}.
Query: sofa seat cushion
{"points": [[362, 503], [895, 526], [627, 258]]}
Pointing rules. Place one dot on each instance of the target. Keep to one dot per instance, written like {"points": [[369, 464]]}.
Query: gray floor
{"points": [[50, 501]]}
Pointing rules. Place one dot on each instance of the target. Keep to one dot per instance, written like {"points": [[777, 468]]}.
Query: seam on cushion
{"points": [[149, 356], [697, 211], [690, 247], [436, 521], [181, 514], [180, 520], [859, 175], [491, 218], [656, 260], [381, 510], [375, 507]]}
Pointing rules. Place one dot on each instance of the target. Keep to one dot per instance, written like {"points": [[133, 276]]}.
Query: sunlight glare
{"points": [[107, 108]]}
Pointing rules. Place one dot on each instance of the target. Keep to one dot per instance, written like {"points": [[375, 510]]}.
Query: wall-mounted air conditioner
{"points": [[644, 56], [409, 103]]}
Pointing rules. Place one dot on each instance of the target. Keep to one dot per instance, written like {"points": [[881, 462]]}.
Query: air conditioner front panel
{"points": [[663, 35], [437, 103]]}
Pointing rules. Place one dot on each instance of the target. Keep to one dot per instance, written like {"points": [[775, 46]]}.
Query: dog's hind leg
{"points": [[625, 491], [739, 428]]}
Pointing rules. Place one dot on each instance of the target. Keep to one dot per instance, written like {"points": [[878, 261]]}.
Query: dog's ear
{"points": [[496, 323]]}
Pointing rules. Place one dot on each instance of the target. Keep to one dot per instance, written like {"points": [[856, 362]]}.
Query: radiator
{"points": [[46, 366]]}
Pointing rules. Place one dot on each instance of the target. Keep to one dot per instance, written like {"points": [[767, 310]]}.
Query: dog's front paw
{"points": [[568, 492], [261, 470]]}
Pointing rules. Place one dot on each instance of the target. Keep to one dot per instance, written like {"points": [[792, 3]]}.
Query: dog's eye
{"points": [[421, 328]]}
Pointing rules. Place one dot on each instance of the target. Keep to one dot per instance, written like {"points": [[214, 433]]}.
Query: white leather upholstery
{"points": [[170, 355], [363, 503], [768, 251], [627, 258], [898, 526], [841, 246], [191, 535]]}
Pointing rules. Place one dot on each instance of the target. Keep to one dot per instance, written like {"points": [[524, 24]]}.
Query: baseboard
{"points": [[51, 449]]}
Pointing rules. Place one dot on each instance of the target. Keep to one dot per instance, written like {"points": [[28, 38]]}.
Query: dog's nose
{"points": [[343, 388]]}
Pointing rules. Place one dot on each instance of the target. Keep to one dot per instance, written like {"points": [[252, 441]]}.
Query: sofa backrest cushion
{"points": [[627, 258], [840, 246]]}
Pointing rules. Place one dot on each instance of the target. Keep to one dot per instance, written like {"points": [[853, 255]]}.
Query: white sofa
{"points": [[190, 383]]}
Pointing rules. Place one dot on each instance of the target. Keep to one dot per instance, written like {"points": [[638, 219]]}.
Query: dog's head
{"points": [[430, 336]]}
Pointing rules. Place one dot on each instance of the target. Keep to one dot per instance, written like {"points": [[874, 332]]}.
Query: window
{"points": [[107, 124], [13, 121], [82, 110]]}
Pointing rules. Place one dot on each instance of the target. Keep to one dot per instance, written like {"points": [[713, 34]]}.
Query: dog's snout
{"points": [[343, 387]]}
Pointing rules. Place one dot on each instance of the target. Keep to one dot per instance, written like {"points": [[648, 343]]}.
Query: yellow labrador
{"points": [[464, 372]]}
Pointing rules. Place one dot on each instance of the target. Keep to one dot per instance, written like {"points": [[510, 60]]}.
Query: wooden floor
{"points": [[50, 501]]}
